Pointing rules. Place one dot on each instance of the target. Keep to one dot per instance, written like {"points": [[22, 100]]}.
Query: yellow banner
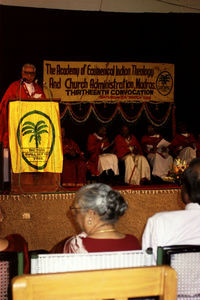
{"points": [[103, 81], [35, 137]]}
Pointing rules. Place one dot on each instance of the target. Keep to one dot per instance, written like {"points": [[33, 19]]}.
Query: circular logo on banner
{"points": [[36, 138], [164, 83]]}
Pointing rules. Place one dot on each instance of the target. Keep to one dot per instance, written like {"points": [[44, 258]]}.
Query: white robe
{"points": [[136, 168], [162, 165], [108, 161], [187, 154], [161, 162]]}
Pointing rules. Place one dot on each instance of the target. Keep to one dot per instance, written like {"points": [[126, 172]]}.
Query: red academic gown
{"points": [[179, 142], [74, 169], [94, 147], [17, 243], [122, 147], [13, 92]]}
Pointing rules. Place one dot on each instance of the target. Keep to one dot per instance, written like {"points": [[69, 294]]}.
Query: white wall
{"points": [[137, 6]]}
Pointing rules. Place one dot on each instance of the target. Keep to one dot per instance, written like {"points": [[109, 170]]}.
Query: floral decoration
{"points": [[176, 173]]}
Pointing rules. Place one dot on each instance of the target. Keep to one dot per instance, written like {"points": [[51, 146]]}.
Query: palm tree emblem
{"points": [[164, 83], [35, 130], [164, 79]]}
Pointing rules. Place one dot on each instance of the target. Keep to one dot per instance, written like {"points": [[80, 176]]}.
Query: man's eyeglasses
{"points": [[29, 73]]}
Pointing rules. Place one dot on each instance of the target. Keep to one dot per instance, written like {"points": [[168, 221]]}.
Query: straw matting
{"points": [[50, 220]]}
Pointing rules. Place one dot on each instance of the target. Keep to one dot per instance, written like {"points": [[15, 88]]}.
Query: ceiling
{"points": [[130, 6]]}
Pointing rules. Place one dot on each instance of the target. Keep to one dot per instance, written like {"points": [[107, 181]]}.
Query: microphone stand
{"points": [[20, 98], [50, 94], [20, 89], [18, 93]]}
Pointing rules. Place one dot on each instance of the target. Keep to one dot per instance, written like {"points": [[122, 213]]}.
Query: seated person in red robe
{"points": [[15, 243], [183, 145], [128, 149], [101, 159], [156, 149], [74, 165]]}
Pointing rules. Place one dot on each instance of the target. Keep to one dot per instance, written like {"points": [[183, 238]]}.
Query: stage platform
{"points": [[45, 219]]}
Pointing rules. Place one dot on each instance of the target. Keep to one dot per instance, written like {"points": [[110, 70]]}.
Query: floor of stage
{"points": [[44, 183], [130, 187], [61, 189]]}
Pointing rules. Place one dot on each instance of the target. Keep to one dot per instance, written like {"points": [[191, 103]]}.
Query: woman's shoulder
{"points": [[126, 243], [75, 244], [128, 236], [132, 239]]}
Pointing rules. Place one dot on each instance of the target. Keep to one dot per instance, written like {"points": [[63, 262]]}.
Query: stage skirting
{"points": [[44, 219]]}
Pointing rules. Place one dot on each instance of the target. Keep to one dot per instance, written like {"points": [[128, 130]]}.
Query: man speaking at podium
{"points": [[25, 88]]}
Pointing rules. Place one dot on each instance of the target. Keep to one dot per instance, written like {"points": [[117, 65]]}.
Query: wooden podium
{"points": [[36, 181]]}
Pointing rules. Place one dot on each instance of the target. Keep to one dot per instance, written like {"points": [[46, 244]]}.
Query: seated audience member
{"points": [[74, 165], [156, 149], [183, 144], [97, 209], [128, 149], [15, 243], [177, 227], [101, 161]]}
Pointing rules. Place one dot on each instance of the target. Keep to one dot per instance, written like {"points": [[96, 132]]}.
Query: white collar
{"points": [[155, 135], [30, 87], [28, 84], [186, 134]]}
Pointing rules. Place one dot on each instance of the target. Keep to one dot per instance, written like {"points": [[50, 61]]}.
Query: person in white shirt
{"points": [[177, 227]]}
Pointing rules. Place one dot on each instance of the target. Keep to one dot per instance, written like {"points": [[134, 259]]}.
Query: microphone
{"points": [[22, 80], [18, 92], [20, 88]]}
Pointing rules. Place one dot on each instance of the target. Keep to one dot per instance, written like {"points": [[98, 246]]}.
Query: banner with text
{"points": [[103, 81]]}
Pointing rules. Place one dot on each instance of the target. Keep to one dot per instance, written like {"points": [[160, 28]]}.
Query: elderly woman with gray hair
{"points": [[96, 209]]}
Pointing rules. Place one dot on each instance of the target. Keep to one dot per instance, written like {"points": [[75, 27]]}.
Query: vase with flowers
{"points": [[176, 173]]}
